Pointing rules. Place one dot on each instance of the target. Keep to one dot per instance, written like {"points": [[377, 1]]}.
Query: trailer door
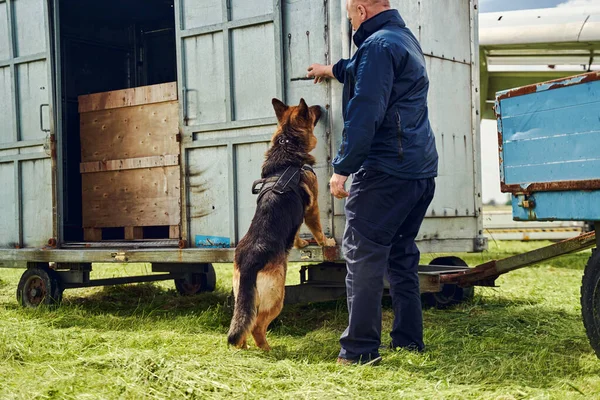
{"points": [[27, 135]]}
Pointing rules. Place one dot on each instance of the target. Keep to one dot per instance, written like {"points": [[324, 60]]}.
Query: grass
{"points": [[522, 340]]}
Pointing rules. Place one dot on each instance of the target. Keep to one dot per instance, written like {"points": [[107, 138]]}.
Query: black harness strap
{"points": [[280, 184]]}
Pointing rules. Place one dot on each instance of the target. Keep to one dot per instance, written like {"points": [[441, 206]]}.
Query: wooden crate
{"points": [[130, 161]]}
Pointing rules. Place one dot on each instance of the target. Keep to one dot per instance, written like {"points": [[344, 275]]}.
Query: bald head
{"points": [[361, 10], [372, 4]]}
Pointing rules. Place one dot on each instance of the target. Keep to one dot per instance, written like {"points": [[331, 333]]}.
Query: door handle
{"points": [[42, 117]]}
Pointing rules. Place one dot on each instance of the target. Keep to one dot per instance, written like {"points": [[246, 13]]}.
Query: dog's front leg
{"points": [[299, 243], [313, 221]]}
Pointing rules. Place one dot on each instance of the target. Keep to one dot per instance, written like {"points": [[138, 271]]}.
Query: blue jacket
{"points": [[386, 120]]}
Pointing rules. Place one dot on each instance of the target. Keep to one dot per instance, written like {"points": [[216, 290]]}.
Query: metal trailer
{"points": [[548, 144], [229, 58]]}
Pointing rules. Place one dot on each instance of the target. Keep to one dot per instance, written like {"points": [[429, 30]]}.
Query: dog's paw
{"points": [[330, 242], [300, 243]]}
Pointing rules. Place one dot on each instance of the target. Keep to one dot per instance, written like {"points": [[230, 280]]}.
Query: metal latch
{"points": [[527, 204], [305, 254], [119, 257]]}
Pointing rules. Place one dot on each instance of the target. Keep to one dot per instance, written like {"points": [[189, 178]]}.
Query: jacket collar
{"points": [[374, 24]]}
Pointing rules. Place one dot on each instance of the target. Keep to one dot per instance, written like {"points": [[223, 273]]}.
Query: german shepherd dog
{"points": [[260, 261]]}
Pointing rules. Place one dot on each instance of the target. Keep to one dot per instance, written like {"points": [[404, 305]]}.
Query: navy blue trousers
{"points": [[383, 216]]}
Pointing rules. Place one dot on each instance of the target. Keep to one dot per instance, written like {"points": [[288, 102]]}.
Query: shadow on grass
{"points": [[146, 301], [489, 340], [494, 343]]}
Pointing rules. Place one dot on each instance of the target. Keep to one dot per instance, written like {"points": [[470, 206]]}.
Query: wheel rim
{"points": [[35, 291], [191, 288], [447, 294]]}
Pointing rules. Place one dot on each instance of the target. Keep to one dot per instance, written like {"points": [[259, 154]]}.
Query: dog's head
{"points": [[297, 123]]}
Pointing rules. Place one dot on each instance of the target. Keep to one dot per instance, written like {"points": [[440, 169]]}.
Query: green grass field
{"points": [[522, 340]]}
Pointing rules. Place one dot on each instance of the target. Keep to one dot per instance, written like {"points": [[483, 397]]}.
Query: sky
{"points": [[507, 5]]}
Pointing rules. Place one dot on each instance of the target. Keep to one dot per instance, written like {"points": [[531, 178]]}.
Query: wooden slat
{"points": [[139, 197], [132, 132], [134, 232], [92, 234], [129, 163], [128, 97], [174, 232]]}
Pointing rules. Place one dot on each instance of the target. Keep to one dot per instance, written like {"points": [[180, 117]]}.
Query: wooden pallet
{"points": [[129, 233], [130, 161]]}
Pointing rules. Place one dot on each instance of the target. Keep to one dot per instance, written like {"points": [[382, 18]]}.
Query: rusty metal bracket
{"points": [[119, 257]]}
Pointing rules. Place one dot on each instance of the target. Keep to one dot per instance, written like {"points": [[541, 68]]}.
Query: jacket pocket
{"points": [[399, 132]]}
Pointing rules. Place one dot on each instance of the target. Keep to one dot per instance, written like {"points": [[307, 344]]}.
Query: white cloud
{"points": [[579, 3]]}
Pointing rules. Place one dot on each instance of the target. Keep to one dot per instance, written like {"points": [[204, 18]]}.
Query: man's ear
{"points": [[279, 108]]}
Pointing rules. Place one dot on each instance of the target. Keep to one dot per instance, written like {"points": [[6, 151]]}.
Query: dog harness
{"points": [[280, 184]]}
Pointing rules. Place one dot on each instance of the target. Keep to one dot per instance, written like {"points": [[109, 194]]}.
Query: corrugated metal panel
{"points": [[201, 13], [27, 216], [4, 53], [249, 159], [227, 107], [32, 92], [29, 27], [241, 9], [204, 73], [8, 231], [306, 40], [253, 70], [309, 35], [450, 113], [7, 134], [447, 229], [208, 191], [411, 13], [233, 57], [36, 192], [445, 30]]}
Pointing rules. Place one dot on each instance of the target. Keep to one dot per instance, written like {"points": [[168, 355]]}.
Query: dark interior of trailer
{"points": [[107, 45]]}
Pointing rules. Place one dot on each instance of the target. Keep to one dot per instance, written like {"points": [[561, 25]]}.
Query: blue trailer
{"points": [[549, 145]]}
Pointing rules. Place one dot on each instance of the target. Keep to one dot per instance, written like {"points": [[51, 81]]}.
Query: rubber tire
{"points": [[450, 294], [201, 282], [50, 286], [590, 300]]}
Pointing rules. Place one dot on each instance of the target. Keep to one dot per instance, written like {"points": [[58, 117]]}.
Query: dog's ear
{"points": [[303, 109], [279, 108], [316, 113]]}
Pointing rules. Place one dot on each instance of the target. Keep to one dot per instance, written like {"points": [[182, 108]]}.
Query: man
{"points": [[388, 145]]}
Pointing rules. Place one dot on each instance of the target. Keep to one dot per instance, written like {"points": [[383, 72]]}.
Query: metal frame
{"points": [[593, 184], [162, 255], [191, 135], [476, 118], [12, 63]]}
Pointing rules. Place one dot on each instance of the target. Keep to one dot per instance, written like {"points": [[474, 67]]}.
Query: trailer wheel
{"points": [[39, 285], [590, 300], [195, 283], [450, 294]]}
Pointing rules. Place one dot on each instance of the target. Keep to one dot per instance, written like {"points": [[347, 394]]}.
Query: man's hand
{"points": [[320, 72], [336, 186]]}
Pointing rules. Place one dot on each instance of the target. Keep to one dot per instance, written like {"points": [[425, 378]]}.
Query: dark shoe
{"points": [[372, 362], [411, 347]]}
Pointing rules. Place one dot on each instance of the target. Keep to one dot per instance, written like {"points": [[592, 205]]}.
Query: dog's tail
{"points": [[244, 312]]}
